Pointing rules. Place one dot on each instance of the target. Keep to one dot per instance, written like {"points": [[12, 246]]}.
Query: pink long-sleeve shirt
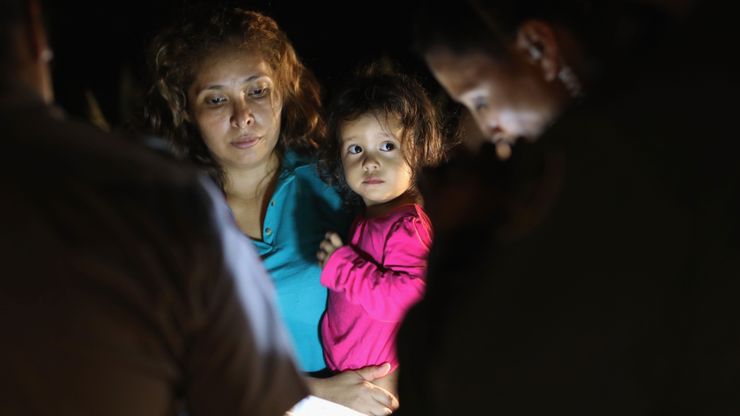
{"points": [[372, 282]]}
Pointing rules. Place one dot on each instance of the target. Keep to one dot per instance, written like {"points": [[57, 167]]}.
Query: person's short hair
{"points": [[174, 56], [11, 15], [602, 27], [383, 91]]}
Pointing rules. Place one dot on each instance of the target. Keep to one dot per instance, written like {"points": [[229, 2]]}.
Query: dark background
{"points": [[100, 47]]}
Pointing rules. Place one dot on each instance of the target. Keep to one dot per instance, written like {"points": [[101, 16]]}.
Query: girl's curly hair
{"points": [[381, 90], [173, 59]]}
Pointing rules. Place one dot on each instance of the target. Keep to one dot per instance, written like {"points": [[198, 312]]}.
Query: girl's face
{"points": [[235, 105], [509, 101], [372, 157]]}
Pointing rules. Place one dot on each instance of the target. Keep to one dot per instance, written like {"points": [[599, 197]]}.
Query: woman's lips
{"points": [[245, 142]]}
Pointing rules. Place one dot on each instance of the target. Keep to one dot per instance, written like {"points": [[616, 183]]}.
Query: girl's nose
{"points": [[370, 164]]}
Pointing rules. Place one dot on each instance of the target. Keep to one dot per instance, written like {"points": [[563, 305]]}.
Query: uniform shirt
{"points": [[124, 288]]}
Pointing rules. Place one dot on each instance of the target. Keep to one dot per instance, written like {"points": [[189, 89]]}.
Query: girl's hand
{"points": [[355, 390], [331, 242]]}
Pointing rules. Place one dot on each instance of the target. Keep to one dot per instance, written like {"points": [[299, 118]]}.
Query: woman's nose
{"points": [[242, 115]]}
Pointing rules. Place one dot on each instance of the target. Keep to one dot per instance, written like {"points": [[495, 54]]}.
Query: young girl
{"points": [[383, 129]]}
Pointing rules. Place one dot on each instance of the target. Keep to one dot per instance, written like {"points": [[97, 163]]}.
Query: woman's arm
{"points": [[355, 389]]}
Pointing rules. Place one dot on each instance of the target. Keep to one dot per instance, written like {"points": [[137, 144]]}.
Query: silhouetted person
{"points": [[124, 288], [596, 270]]}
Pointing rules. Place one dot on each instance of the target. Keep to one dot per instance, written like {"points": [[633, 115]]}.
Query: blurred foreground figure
{"points": [[123, 291], [596, 271]]}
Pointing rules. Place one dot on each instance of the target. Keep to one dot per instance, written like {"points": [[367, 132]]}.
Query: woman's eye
{"points": [[259, 92], [215, 100], [354, 149], [387, 146]]}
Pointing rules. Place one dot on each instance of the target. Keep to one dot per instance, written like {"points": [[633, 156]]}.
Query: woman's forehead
{"points": [[230, 63]]}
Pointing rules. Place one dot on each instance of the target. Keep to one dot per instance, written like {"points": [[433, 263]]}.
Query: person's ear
{"points": [[37, 52], [36, 34], [536, 39]]}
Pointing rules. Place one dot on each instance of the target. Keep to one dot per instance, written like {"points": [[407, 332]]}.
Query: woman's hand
{"points": [[331, 242], [355, 390]]}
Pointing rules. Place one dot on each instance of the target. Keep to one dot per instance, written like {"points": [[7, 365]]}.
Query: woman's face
{"points": [[509, 100], [233, 101]]}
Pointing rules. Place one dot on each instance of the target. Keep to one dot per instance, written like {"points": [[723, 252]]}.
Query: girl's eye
{"points": [[387, 146], [259, 92], [215, 100], [354, 149]]}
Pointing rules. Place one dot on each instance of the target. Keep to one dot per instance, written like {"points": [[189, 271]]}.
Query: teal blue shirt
{"points": [[302, 209]]}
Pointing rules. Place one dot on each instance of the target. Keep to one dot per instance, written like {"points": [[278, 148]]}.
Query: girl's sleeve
{"points": [[384, 291]]}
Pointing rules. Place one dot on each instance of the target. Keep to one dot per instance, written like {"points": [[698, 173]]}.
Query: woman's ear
{"points": [[536, 39]]}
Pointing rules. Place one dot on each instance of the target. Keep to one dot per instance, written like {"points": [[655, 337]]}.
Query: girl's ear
{"points": [[537, 41]]}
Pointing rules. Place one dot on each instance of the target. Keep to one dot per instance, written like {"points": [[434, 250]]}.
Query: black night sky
{"points": [[100, 46]]}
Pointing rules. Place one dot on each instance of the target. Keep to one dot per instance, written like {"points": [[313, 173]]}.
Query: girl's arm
{"points": [[384, 291]]}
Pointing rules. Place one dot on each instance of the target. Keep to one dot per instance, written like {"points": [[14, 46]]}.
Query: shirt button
{"points": [[272, 203], [268, 231]]}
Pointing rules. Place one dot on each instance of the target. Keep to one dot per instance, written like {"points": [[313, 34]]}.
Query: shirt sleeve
{"points": [[385, 291], [241, 360]]}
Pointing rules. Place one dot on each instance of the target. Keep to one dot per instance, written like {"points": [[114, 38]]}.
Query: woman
{"points": [[232, 96]]}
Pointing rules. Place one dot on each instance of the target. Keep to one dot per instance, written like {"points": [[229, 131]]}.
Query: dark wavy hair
{"points": [[173, 59], [381, 90]]}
